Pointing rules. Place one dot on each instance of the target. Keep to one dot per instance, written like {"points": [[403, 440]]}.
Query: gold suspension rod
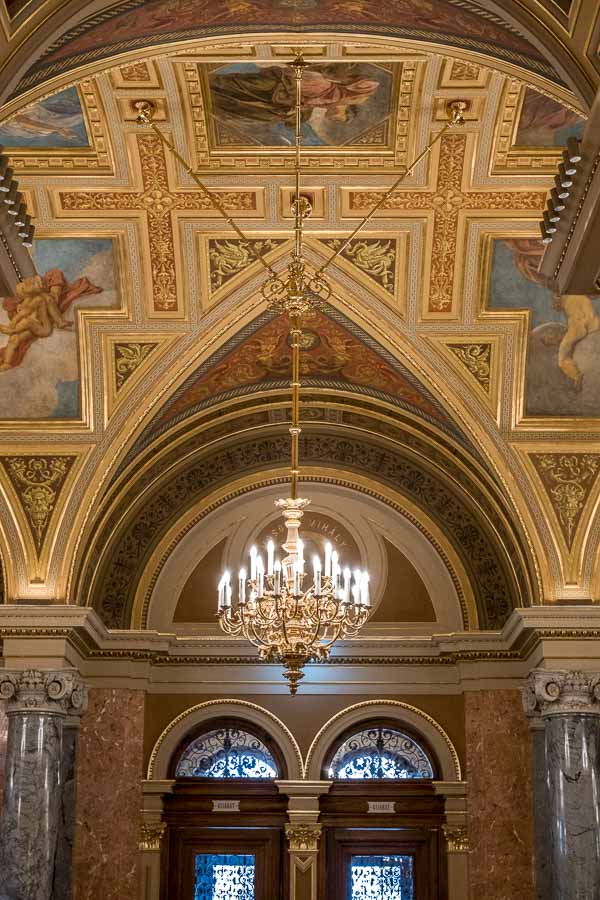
{"points": [[455, 112], [145, 112]]}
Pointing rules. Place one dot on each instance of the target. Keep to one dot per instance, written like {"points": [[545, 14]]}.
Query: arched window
{"points": [[228, 749], [380, 750]]}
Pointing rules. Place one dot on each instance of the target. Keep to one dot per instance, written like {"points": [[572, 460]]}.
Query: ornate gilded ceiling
{"points": [[443, 375]]}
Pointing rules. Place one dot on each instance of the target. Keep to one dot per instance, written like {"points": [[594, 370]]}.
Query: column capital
{"points": [[303, 838], [457, 838], [561, 693], [59, 691]]}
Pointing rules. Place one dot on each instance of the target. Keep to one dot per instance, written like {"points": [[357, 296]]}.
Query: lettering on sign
{"points": [[381, 806], [226, 805]]}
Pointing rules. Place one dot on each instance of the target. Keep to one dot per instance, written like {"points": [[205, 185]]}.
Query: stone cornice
{"points": [[566, 637]]}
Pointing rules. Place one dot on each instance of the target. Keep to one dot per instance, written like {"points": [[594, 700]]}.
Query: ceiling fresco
{"points": [[134, 24], [145, 313]]}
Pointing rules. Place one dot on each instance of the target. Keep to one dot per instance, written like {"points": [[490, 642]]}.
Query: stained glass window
{"points": [[382, 878], [380, 752], [221, 876], [227, 752]]}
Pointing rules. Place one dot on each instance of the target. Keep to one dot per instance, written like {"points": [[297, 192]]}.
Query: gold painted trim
{"points": [[395, 704], [211, 704]]}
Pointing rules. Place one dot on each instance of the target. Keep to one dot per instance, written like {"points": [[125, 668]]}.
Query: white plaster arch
{"points": [[368, 520], [405, 714], [176, 730]]}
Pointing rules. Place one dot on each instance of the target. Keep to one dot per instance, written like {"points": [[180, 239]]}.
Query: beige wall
{"points": [[304, 714]]}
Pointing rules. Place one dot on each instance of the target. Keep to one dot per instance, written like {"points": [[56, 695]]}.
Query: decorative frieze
{"points": [[128, 357], [476, 358]]}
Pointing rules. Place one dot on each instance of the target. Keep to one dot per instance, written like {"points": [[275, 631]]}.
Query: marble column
{"points": [[37, 704], [569, 704], [541, 815], [62, 888]]}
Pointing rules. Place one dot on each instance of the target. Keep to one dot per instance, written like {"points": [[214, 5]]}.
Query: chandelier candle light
{"points": [[276, 606]]}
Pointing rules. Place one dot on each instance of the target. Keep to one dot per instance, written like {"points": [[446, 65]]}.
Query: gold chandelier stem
{"points": [[295, 429], [453, 121], [298, 217], [145, 117]]}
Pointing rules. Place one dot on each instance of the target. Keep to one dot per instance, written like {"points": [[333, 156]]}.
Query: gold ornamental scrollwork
{"points": [[457, 838], [477, 359], [128, 357], [37, 481], [151, 835], [303, 838], [568, 479]]}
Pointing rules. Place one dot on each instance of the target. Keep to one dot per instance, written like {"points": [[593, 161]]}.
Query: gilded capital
{"points": [[303, 837], [562, 693], [151, 835], [457, 838], [34, 690]]}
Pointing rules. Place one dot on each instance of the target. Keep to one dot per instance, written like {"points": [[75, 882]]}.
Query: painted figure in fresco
{"points": [[582, 319], [545, 123], [38, 309], [268, 95]]}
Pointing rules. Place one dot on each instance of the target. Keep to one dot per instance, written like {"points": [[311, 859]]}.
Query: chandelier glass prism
{"points": [[291, 616]]}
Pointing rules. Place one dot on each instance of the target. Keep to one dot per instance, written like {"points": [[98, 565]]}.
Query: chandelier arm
{"points": [[455, 119], [145, 118]]}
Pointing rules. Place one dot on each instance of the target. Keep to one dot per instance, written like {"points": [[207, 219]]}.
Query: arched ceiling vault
{"points": [[354, 437], [533, 34], [437, 326]]}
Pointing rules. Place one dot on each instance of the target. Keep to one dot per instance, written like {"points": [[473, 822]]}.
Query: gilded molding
{"points": [[446, 203], [158, 201]]}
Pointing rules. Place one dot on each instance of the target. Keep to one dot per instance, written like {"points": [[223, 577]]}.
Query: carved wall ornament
{"points": [[446, 202], [151, 835], [158, 201], [128, 357], [476, 358], [568, 479], [38, 481], [562, 693], [374, 256], [31, 690], [457, 838], [303, 838]]}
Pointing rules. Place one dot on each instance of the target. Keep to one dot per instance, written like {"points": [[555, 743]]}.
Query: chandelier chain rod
{"points": [[456, 118], [145, 118]]}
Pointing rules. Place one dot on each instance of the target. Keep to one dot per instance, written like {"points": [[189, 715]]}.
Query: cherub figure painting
{"points": [[562, 374], [36, 310], [40, 326]]}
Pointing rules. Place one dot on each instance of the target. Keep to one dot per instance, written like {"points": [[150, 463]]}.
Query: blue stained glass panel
{"points": [[382, 878], [224, 876]]}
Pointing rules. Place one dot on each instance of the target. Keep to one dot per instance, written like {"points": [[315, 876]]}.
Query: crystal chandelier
{"points": [[275, 605]]}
